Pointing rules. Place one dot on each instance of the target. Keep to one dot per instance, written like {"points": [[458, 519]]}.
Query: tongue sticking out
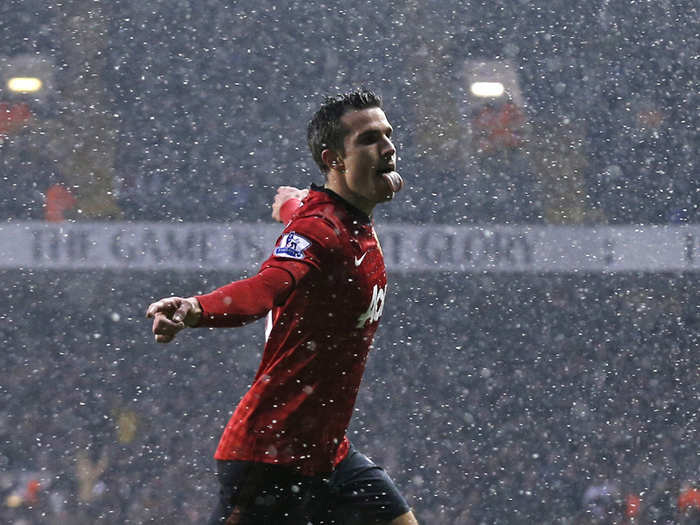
{"points": [[394, 180]]}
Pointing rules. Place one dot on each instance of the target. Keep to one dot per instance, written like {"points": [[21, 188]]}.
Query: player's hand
{"points": [[172, 314], [284, 193]]}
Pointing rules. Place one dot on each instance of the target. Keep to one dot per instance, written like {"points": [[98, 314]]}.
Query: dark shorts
{"points": [[358, 492]]}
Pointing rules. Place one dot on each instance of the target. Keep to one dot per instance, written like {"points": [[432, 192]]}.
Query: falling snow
{"points": [[496, 395]]}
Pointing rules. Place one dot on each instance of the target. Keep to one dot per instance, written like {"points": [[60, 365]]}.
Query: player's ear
{"points": [[332, 160]]}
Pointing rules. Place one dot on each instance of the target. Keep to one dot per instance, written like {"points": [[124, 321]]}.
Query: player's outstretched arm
{"points": [[243, 301], [172, 314], [286, 202]]}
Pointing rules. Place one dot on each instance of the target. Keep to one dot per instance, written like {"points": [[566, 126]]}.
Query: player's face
{"points": [[369, 152]]}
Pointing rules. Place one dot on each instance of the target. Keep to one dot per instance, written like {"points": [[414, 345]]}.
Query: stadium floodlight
{"points": [[27, 76], [490, 79], [24, 84], [487, 89]]}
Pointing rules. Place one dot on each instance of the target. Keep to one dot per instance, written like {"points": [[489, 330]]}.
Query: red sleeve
{"points": [[288, 209], [244, 301]]}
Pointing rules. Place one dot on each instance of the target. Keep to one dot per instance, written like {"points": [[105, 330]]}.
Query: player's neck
{"points": [[340, 189]]}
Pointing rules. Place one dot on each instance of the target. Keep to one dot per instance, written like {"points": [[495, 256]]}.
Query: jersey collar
{"points": [[353, 211]]}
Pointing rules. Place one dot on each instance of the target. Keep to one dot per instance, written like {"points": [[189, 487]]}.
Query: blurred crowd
{"points": [[190, 112], [490, 399]]}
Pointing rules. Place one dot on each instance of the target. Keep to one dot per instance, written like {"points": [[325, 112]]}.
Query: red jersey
{"points": [[299, 406]]}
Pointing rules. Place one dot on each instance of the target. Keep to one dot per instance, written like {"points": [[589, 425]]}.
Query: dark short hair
{"points": [[325, 130]]}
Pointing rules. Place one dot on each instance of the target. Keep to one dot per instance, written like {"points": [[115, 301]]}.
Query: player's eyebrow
{"points": [[375, 131]]}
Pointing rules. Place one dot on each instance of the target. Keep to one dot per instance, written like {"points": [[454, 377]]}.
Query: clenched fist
{"points": [[284, 193], [172, 314]]}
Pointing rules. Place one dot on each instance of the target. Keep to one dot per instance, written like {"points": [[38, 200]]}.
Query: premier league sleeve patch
{"points": [[292, 246]]}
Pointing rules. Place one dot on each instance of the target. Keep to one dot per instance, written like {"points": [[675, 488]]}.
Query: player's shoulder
{"points": [[315, 229], [318, 203], [318, 216]]}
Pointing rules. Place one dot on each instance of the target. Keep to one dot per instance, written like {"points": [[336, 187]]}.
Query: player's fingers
{"points": [[286, 192], [158, 306], [160, 338], [152, 309], [182, 311], [166, 306], [164, 326]]}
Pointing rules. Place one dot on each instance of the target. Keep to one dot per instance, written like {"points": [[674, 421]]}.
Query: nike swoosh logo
{"points": [[358, 262]]}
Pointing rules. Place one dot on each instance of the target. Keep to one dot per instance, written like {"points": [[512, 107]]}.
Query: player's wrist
{"points": [[194, 315]]}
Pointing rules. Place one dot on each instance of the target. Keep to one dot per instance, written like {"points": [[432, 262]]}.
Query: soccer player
{"points": [[284, 456]]}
